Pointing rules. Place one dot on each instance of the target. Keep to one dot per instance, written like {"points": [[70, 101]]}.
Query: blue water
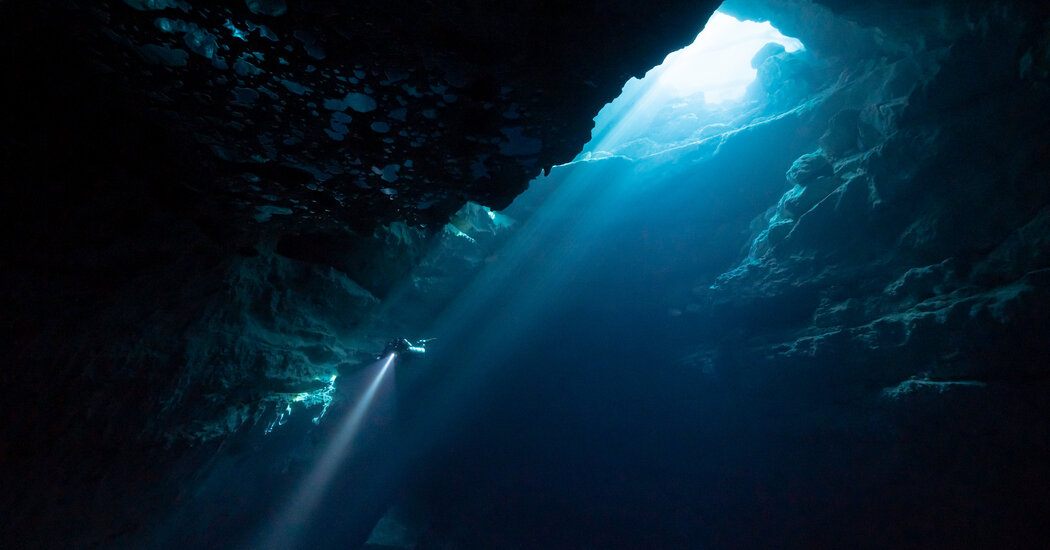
{"points": [[577, 425]]}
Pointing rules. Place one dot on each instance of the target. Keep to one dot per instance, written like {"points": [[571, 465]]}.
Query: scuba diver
{"points": [[404, 346]]}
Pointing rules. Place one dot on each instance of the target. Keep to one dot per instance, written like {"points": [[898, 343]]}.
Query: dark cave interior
{"points": [[810, 317]]}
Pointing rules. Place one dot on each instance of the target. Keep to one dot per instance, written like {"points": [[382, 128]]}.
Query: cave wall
{"points": [[917, 186]]}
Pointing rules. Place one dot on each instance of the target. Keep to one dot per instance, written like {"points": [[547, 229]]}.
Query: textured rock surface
{"points": [[883, 217]]}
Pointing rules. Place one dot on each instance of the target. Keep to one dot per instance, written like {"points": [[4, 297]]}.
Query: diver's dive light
{"points": [[406, 346]]}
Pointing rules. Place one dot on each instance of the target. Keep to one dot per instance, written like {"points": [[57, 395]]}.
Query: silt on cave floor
{"points": [[804, 312]]}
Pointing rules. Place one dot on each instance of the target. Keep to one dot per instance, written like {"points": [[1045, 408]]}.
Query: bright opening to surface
{"points": [[718, 63], [704, 85]]}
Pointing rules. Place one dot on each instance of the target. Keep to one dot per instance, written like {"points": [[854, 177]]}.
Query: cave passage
{"points": [[555, 375], [565, 401], [555, 371], [791, 294]]}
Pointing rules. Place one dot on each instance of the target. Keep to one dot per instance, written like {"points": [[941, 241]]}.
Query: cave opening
{"points": [[721, 62], [705, 89]]}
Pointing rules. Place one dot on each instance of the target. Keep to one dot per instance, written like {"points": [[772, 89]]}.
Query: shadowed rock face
{"points": [[323, 115], [211, 207]]}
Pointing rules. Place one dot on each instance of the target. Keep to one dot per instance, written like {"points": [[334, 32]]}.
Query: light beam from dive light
{"points": [[284, 531]]}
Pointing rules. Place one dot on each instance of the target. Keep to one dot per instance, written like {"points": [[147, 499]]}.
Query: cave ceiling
{"points": [[326, 115], [321, 114]]}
